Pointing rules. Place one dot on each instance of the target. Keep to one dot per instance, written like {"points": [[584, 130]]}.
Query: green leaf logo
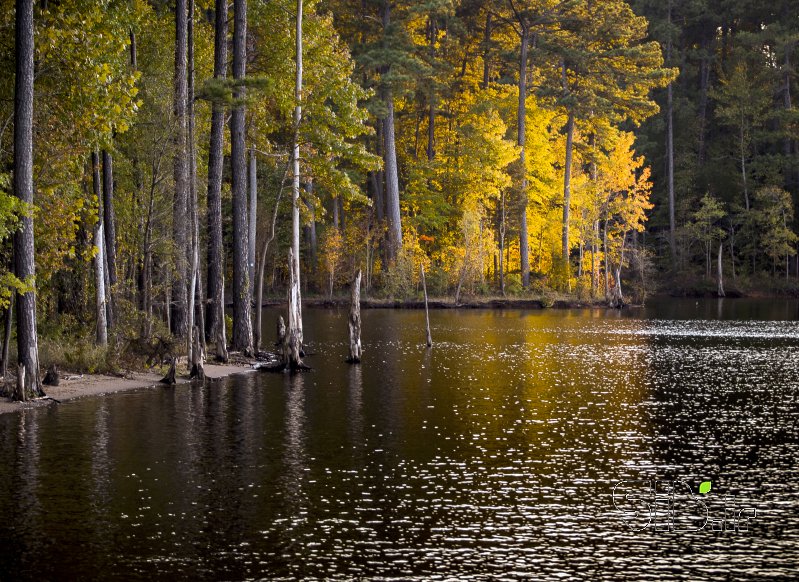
{"points": [[704, 487]]}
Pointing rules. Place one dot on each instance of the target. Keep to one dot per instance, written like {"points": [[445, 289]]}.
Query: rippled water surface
{"points": [[496, 453]]}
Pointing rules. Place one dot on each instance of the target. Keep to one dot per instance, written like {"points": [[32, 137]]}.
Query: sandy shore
{"points": [[78, 386]]}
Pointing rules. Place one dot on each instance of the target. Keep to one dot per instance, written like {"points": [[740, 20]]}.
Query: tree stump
{"points": [[197, 358], [354, 321], [170, 375], [51, 377], [19, 392], [426, 312]]}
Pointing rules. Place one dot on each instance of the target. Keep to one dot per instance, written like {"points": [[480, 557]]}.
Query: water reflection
{"points": [[492, 455]]}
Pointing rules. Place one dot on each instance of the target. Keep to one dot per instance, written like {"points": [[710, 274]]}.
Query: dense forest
{"points": [[161, 158]]}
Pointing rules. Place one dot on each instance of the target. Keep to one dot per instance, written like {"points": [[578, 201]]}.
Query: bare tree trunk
{"points": [[390, 162], [292, 344], [215, 307], [242, 298], [179, 220], [24, 264], [295, 301], [194, 234], [502, 244], [429, 338], [109, 226], [253, 198], [567, 192], [354, 321], [524, 250], [719, 273], [99, 259]]}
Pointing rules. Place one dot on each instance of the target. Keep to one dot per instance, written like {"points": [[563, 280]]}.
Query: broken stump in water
{"points": [[354, 320]]}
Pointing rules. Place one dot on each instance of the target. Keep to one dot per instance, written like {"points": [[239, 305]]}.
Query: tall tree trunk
{"points": [[524, 250], [194, 234], [24, 265], [719, 273], [242, 298], [179, 218], [215, 310], [99, 258], [670, 151], [390, 160], [252, 183], [502, 244], [567, 192], [743, 164], [295, 301]]}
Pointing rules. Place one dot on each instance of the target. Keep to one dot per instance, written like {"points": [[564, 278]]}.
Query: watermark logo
{"points": [[673, 506]]}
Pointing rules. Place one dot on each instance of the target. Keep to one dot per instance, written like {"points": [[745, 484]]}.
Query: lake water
{"points": [[544, 444]]}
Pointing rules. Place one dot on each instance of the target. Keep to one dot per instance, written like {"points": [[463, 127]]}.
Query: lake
{"points": [[543, 444]]}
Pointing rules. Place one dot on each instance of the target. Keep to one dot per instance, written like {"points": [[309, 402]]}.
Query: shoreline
{"points": [[75, 386]]}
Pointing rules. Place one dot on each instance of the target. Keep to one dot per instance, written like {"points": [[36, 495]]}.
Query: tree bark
{"points": [[215, 307], [719, 273], [242, 298], [354, 321], [24, 265], [179, 219], [524, 246], [390, 161]]}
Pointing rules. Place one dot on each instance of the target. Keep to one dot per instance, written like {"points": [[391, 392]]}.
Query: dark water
{"points": [[496, 454]]}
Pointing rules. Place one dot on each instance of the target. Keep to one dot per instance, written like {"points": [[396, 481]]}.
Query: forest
{"points": [[170, 166]]}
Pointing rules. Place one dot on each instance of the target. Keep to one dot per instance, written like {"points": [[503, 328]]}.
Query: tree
{"points": [[24, 264], [215, 314], [180, 164], [242, 298]]}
